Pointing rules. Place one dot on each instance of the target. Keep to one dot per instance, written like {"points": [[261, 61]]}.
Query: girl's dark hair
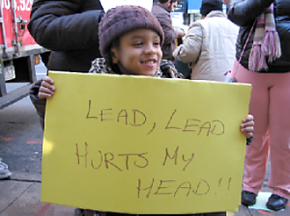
{"points": [[108, 56]]}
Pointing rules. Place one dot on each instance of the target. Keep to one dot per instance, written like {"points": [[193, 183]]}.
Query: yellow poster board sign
{"points": [[144, 145]]}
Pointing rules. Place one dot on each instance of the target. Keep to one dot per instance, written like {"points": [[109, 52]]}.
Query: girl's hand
{"points": [[46, 89], [247, 128]]}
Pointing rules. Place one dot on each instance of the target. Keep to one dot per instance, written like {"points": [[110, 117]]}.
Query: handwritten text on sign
{"points": [[143, 145]]}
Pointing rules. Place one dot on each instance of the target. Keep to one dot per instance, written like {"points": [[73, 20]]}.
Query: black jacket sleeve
{"points": [[59, 25], [38, 103], [244, 12]]}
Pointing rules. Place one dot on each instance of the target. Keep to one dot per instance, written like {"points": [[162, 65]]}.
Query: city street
{"points": [[21, 148], [21, 134]]}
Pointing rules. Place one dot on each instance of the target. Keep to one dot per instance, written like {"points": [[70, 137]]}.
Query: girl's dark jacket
{"points": [[244, 13], [70, 29]]}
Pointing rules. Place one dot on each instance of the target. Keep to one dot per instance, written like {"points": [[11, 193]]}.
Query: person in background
{"points": [[209, 46], [265, 64], [69, 28], [161, 11]]}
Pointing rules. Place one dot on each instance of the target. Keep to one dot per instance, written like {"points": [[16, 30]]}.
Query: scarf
{"points": [[166, 69], [266, 42]]}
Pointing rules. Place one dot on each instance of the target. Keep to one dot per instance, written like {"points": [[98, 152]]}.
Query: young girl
{"points": [[130, 41]]}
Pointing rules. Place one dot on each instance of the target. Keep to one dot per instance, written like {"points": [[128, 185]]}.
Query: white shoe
{"points": [[4, 172]]}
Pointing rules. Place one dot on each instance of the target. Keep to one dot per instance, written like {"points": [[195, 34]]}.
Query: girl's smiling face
{"points": [[139, 53]]}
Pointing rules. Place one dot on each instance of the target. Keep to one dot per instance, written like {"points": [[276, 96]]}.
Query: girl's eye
{"points": [[156, 43], [138, 44]]}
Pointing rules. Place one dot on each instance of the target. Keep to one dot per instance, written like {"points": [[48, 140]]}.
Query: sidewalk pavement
{"points": [[20, 196]]}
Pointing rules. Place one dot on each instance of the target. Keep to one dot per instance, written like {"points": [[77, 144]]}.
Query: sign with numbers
{"points": [[11, 26]]}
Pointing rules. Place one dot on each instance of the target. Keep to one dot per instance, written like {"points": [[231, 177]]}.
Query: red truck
{"points": [[19, 53]]}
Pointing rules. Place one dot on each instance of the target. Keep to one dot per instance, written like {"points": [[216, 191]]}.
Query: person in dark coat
{"points": [[69, 28], [161, 11], [265, 63]]}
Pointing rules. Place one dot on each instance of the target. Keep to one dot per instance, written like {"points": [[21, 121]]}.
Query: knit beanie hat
{"points": [[209, 5], [123, 19]]}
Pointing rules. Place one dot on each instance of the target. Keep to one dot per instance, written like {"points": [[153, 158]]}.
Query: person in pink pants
{"points": [[270, 103], [263, 60]]}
